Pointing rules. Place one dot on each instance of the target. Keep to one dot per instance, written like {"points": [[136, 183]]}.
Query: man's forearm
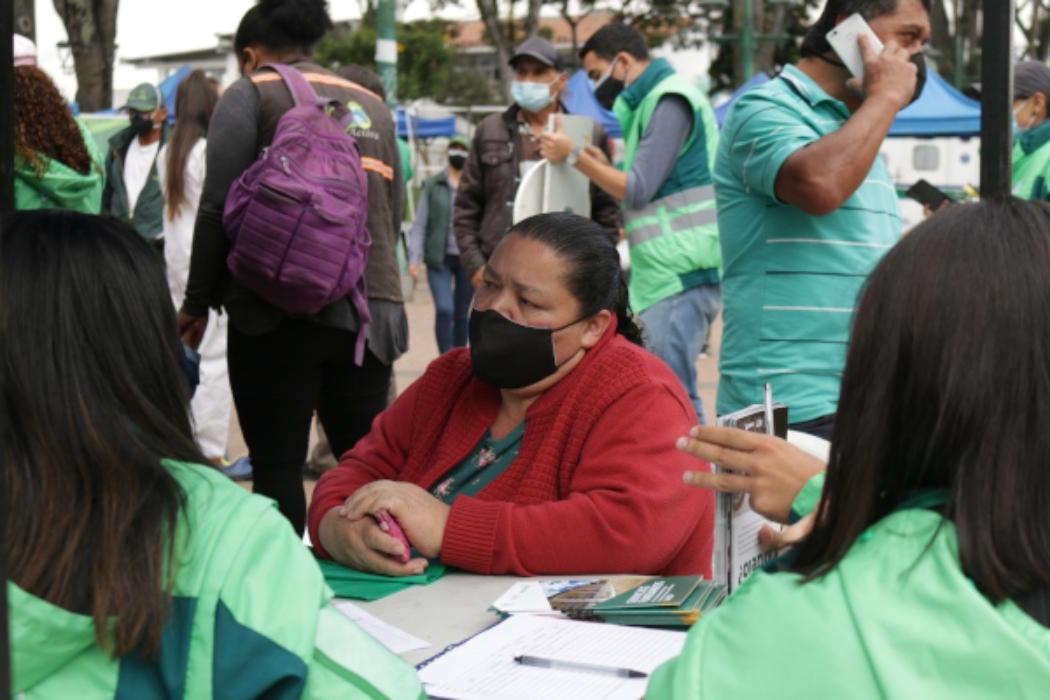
{"points": [[821, 177], [605, 176]]}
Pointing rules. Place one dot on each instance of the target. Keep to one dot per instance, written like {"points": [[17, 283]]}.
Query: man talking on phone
{"points": [[806, 208]]}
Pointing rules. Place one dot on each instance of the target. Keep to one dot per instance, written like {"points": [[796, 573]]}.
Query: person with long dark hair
{"points": [[132, 568], [926, 572], [181, 167], [546, 447], [57, 164], [285, 367]]}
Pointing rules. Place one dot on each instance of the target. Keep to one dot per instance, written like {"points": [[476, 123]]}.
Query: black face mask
{"points": [[141, 123], [509, 355], [919, 60], [457, 162], [608, 89]]}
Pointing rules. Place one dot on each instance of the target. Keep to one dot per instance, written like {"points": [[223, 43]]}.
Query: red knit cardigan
{"points": [[596, 488]]}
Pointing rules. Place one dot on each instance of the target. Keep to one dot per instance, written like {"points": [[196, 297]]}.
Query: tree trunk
{"points": [[92, 29], [489, 12], [532, 19]]}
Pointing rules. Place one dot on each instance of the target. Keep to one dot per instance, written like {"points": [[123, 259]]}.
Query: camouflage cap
{"points": [[145, 97]]}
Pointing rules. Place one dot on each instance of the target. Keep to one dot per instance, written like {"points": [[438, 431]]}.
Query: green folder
{"points": [[351, 583]]}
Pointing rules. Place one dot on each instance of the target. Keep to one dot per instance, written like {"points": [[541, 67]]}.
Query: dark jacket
{"points": [[485, 199], [148, 217], [243, 124]]}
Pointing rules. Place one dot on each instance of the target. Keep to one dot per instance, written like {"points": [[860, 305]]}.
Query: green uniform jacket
{"points": [[148, 217], [674, 239], [1032, 164], [61, 187], [896, 618], [439, 206], [250, 618]]}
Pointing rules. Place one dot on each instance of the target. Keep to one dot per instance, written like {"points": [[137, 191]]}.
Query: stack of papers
{"points": [[484, 666], [653, 601]]}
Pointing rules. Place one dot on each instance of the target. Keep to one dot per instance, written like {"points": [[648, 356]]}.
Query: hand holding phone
{"points": [[926, 194], [881, 70], [845, 40]]}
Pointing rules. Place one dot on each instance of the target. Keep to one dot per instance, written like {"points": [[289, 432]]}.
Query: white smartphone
{"points": [[843, 39]]}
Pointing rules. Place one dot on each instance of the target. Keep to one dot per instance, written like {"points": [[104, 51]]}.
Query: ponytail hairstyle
{"points": [[595, 278], [195, 102], [283, 25]]}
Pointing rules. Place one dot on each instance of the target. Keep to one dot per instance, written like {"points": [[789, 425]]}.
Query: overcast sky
{"points": [[150, 27]]}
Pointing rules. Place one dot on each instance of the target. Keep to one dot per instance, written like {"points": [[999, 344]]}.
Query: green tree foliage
{"points": [[426, 63]]}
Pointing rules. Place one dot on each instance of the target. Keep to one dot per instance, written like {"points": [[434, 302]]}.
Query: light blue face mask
{"points": [[531, 96], [1018, 129]]}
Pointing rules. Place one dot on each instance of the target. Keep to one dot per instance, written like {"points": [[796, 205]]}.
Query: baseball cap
{"points": [[144, 98], [1031, 77], [540, 49], [25, 51], [459, 140]]}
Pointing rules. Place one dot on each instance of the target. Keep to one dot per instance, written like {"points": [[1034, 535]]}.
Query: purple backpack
{"points": [[296, 217]]}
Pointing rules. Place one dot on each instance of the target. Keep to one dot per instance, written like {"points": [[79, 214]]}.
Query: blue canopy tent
{"points": [[424, 128], [579, 99], [941, 110], [723, 109]]}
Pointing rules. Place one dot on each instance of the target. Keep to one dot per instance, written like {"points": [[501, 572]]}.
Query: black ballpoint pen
{"points": [[540, 662]]}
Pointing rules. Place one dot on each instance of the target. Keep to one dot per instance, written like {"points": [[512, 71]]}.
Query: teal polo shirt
{"points": [[790, 280]]}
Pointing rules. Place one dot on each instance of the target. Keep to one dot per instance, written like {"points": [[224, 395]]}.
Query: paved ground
{"points": [[423, 348]]}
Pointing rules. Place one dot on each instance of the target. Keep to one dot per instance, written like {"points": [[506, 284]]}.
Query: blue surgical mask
{"points": [[1018, 129], [532, 97]]}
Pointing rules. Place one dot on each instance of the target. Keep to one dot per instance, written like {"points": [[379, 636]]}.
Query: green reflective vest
{"points": [[674, 239]]}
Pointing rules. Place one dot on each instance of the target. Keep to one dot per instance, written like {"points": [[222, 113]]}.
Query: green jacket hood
{"points": [[60, 186], [44, 637]]}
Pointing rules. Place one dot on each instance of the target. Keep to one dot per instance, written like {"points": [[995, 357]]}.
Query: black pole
{"points": [[997, 88], [7, 204]]}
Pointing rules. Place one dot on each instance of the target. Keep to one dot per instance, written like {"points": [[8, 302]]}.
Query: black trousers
{"points": [[279, 379], [821, 427]]}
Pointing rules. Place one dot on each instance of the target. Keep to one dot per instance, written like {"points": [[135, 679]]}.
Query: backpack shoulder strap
{"points": [[302, 92]]}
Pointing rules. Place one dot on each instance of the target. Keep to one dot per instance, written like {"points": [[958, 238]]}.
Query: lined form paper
{"points": [[483, 667]]}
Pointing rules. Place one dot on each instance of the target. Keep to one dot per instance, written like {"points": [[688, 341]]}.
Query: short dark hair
{"points": [[368, 79], [614, 38], [816, 43], [946, 388], [283, 24], [595, 278]]}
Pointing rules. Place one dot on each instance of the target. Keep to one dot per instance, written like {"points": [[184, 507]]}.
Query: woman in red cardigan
{"points": [[548, 447]]}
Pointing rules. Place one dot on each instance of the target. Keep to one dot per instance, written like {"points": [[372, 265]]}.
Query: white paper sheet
{"points": [[523, 597], [483, 667], [393, 638]]}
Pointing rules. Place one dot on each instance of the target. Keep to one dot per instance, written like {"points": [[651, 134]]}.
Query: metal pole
{"points": [[747, 42], [7, 204], [386, 48], [997, 88]]}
